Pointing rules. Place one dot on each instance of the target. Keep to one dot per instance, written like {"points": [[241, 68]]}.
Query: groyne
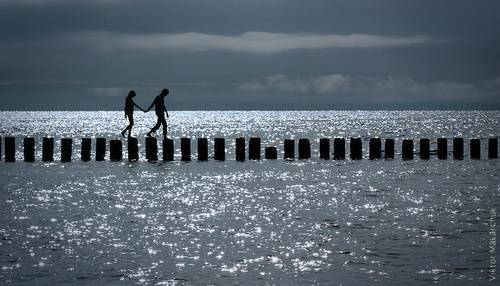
{"points": [[249, 149]]}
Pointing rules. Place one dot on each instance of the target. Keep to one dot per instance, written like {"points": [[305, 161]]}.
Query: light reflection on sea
{"points": [[302, 222]]}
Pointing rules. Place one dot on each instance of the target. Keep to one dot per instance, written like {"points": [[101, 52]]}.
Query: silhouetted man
{"points": [[159, 104]]}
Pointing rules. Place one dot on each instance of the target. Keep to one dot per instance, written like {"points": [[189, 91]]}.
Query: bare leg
{"points": [[164, 123], [156, 127], [129, 127]]}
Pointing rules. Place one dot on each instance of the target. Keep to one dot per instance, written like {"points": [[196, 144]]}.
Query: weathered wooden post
{"points": [[219, 149], [66, 149], [100, 149], [168, 150], [425, 149], [458, 148], [339, 149], [29, 149], [115, 150], [407, 149], [133, 149], [86, 149], [151, 149], [356, 149], [240, 149], [254, 148], [185, 149], [271, 153], [289, 146], [492, 148], [304, 149], [475, 149], [48, 149], [202, 149], [10, 149], [324, 148], [442, 148], [375, 148], [389, 149]]}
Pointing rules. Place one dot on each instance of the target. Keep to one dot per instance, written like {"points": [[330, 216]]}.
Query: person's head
{"points": [[131, 94], [164, 92]]}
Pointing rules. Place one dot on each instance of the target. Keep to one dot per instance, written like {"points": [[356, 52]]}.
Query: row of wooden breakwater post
{"points": [[254, 149]]}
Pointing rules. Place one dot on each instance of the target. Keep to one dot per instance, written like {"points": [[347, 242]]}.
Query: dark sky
{"points": [[258, 54]]}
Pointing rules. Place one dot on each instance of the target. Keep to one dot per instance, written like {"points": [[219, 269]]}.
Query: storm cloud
{"points": [[225, 54]]}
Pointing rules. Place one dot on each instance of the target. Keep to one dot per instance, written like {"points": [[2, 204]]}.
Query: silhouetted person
{"points": [[160, 110], [129, 112]]}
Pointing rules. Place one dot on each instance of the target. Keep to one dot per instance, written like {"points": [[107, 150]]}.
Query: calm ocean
{"points": [[388, 222]]}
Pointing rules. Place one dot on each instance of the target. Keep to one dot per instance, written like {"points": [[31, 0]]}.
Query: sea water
{"points": [[309, 222]]}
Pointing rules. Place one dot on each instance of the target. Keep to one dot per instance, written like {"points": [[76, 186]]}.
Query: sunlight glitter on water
{"points": [[307, 222]]}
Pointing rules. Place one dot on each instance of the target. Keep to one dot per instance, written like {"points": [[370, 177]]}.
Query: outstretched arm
{"points": [[139, 107], [151, 106]]}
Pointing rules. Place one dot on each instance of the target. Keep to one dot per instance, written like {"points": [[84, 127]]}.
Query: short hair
{"points": [[164, 91], [131, 93]]}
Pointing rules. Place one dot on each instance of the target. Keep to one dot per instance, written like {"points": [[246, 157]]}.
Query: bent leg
{"points": [[129, 126], [157, 126]]}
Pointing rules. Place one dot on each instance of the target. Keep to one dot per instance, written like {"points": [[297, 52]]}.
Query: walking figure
{"points": [[129, 112], [160, 110]]}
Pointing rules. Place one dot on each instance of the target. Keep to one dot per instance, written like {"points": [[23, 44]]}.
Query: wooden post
{"points": [[47, 149], [0, 148], [240, 149], [185, 149], [86, 149], [10, 149], [66, 149], [168, 150], [458, 148], [475, 149], [304, 149], [407, 149], [133, 149], [492, 148], [100, 149], [29, 149], [425, 149], [389, 149], [115, 150], [219, 149], [151, 149], [324, 148], [339, 149], [375, 148], [271, 153], [254, 148], [356, 149], [289, 146], [442, 148], [202, 149]]}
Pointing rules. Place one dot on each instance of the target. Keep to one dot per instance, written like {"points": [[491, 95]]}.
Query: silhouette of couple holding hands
{"points": [[160, 110]]}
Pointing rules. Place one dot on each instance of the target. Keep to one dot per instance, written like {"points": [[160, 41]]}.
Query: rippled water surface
{"points": [[254, 222]]}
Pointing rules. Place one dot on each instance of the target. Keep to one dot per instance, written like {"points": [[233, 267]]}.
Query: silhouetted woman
{"points": [[129, 112]]}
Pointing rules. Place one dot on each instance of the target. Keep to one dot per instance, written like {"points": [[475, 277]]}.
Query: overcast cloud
{"points": [[261, 54]]}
